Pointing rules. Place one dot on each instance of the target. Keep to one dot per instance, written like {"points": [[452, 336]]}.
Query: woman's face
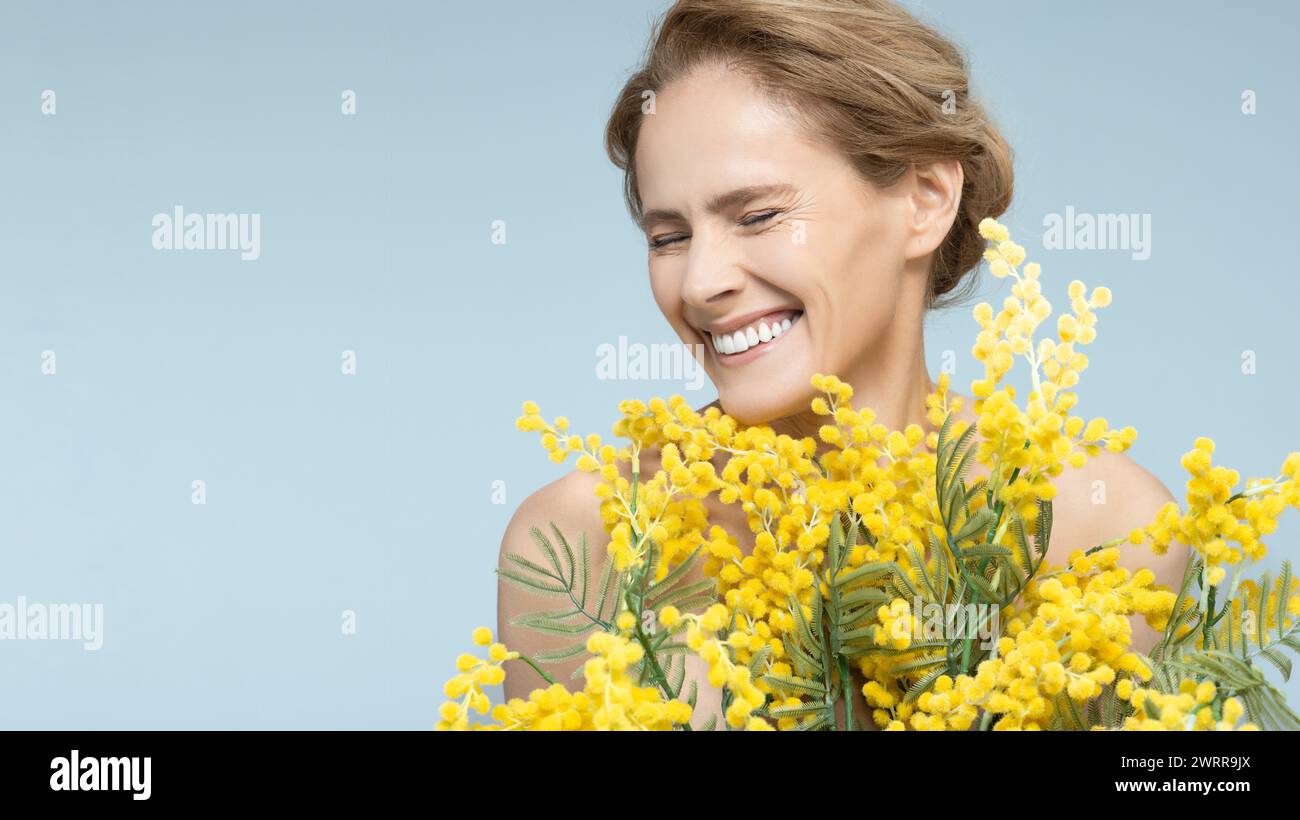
{"points": [[767, 247]]}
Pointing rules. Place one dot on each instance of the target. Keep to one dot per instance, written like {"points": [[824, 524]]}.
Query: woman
{"points": [[810, 177]]}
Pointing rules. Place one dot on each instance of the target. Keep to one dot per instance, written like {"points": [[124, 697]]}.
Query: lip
{"points": [[739, 359], [733, 325]]}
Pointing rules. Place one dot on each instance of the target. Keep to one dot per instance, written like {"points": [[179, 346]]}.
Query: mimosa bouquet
{"points": [[872, 552]]}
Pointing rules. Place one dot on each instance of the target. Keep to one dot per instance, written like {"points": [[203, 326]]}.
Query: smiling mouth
{"points": [[757, 334]]}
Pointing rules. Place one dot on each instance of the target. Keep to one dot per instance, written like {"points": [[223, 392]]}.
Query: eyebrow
{"points": [[719, 203]]}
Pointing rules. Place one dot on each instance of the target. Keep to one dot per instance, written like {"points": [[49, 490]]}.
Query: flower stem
{"points": [[537, 669]]}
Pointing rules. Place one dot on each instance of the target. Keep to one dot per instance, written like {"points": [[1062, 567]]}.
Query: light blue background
{"points": [[373, 492]]}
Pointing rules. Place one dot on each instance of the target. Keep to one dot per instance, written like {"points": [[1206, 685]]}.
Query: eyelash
{"points": [[756, 219]]}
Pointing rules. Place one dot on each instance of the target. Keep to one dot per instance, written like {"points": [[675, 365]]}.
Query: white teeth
{"points": [[752, 336]]}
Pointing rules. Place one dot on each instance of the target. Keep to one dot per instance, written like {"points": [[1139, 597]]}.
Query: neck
{"points": [[898, 399], [891, 380]]}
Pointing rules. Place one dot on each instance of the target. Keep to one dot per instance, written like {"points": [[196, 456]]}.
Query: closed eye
{"points": [[664, 241], [756, 219]]}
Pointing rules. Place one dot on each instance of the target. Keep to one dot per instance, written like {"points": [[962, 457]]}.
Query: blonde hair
{"points": [[863, 74]]}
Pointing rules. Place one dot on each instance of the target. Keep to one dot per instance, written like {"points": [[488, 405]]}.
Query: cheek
{"points": [[872, 260], [863, 285], [665, 285], [796, 268], [867, 279]]}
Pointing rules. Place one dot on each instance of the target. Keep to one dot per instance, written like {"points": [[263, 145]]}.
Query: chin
{"points": [[759, 386], [764, 401]]}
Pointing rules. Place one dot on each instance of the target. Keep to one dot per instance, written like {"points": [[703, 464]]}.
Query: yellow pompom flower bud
{"points": [[992, 230], [670, 617]]}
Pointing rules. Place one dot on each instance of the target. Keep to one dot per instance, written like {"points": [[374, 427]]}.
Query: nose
{"points": [[713, 272]]}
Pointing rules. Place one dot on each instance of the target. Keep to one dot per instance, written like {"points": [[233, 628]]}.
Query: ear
{"points": [[934, 197]]}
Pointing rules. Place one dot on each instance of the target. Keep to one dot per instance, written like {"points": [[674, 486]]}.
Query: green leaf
{"points": [[962, 441], [528, 583], [1042, 540], [921, 686], [584, 554], [1284, 593], [986, 550], [979, 522], [1022, 542], [942, 449], [677, 662], [805, 631], [694, 694], [1274, 656], [835, 543], [864, 595], [797, 711], [920, 663], [675, 573], [549, 627], [860, 632], [921, 570], [913, 647], [814, 724], [792, 684], [851, 540], [568, 552], [953, 509], [607, 576], [535, 569], [1072, 709], [553, 614], [545, 546], [940, 553], [1109, 707], [855, 618], [864, 571], [659, 599], [557, 655], [975, 489], [959, 474], [902, 580], [795, 651], [983, 587]]}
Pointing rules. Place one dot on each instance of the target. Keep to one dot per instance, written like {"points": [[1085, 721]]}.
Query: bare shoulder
{"points": [[1112, 467], [1107, 498], [1129, 493], [570, 503], [570, 499]]}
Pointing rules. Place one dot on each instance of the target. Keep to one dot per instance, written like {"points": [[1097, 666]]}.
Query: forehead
{"points": [[715, 130]]}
